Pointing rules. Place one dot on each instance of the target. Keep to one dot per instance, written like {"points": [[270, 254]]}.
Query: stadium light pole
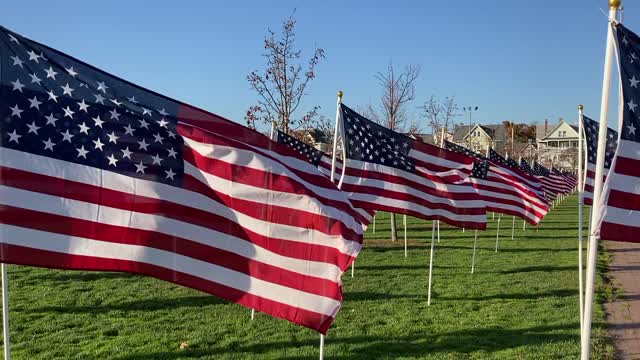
{"points": [[470, 110]]}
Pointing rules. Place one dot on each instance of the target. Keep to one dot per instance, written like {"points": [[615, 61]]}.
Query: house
{"points": [[480, 137], [559, 146]]}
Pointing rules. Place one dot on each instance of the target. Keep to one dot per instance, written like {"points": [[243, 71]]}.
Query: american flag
{"points": [[391, 172], [567, 182], [551, 185], [618, 213], [505, 190], [322, 161], [591, 143], [101, 174]]}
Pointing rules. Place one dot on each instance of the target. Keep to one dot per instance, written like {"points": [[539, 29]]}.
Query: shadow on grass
{"points": [[536, 269], [64, 276], [515, 296], [490, 339], [139, 305]]}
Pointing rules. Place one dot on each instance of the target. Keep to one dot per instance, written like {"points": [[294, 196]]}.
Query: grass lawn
{"points": [[522, 303]]}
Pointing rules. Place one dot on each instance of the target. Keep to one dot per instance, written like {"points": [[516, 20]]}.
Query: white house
{"points": [[559, 147]]}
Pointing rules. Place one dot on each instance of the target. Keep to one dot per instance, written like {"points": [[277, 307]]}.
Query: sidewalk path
{"points": [[623, 315]]}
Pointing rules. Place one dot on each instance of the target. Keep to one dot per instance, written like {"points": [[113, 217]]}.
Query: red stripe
{"points": [[21, 255], [443, 154], [128, 202], [124, 235], [618, 232], [628, 166], [624, 200]]}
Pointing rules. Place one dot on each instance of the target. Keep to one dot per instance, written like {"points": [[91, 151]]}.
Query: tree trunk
{"points": [[394, 230]]}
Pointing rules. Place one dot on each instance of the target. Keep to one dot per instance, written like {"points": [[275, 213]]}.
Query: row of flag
{"points": [[98, 173]]}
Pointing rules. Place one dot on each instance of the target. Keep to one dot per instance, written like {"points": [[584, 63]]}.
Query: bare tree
{"points": [[398, 91], [439, 114], [282, 84]]}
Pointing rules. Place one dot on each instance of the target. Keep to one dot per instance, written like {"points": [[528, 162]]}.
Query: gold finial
{"points": [[580, 107], [340, 95], [614, 4]]}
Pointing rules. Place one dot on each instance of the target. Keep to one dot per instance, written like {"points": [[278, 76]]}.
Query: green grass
{"points": [[520, 304]]}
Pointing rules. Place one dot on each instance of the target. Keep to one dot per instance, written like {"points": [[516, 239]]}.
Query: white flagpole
{"points": [[335, 138], [5, 313], [404, 221], [513, 227], [597, 188], [321, 347], [475, 246], [374, 224], [438, 225], [433, 241], [524, 225], [498, 232], [580, 202]]}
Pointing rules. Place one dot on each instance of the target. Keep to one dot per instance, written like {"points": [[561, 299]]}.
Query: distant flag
{"points": [[618, 213], [591, 143], [101, 174], [391, 172], [551, 185], [566, 184], [505, 190], [321, 160]]}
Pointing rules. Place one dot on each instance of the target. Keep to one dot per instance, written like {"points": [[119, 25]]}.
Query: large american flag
{"points": [[391, 172], [506, 190], [321, 160], [619, 211], [591, 144], [100, 174]]}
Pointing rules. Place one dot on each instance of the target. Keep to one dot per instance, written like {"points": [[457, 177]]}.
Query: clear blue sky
{"points": [[517, 60]]}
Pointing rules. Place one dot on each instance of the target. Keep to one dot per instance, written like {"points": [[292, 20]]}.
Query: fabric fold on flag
{"points": [[100, 174]]}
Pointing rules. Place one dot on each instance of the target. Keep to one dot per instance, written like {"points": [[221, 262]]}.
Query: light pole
{"points": [[469, 109]]}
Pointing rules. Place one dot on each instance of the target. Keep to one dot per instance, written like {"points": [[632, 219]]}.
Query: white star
{"points": [[17, 85], [133, 100], [112, 137], [33, 128], [84, 128], [140, 168], [66, 136], [13, 38], [82, 152], [48, 145], [35, 79], [98, 144], [102, 87], [14, 137], [71, 71], [52, 96], [143, 145], [15, 111], [112, 160], [157, 138], [99, 99], [170, 174], [144, 124], [126, 153], [632, 106], [146, 111], [634, 82], [17, 61], [114, 114], [83, 106], [51, 119], [51, 74], [156, 160], [33, 56], [66, 89], [128, 130], [97, 121], [172, 134], [163, 123], [632, 129], [34, 103], [163, 112], [68, 112], [172, 153], [116, 102]]}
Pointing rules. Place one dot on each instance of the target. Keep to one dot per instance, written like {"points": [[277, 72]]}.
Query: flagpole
{"points": [[498, 232], [321, 347], [374, 223], [5, 313], [580, 202], [335, 137], [438, 226], [404, 220], [475, 246], [597, 188], [524, 224], [433, 240], [513, 227]]}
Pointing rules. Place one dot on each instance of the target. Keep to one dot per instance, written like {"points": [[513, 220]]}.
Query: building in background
{"points": [[558, 145]]}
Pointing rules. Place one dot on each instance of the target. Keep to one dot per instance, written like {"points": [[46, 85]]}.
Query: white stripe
{"points": [[625, 183], [87, 247], [628, 149], [454, 165], [117, 217], [619, 216], [110, 180], [258, 162]]}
